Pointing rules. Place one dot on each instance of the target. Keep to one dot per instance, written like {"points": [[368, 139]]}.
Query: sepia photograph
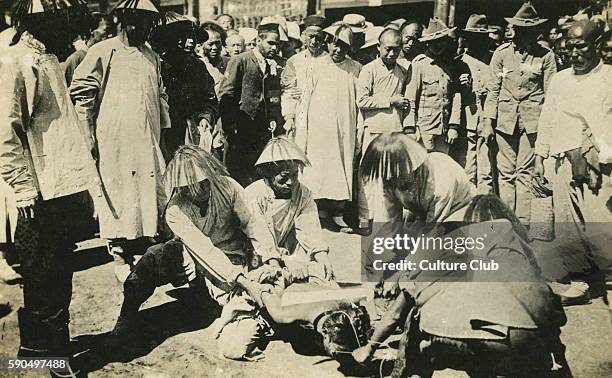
{"points": [[306, 188]]}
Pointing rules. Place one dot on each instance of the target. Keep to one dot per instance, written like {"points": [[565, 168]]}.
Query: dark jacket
{"points": [[248, 90]]}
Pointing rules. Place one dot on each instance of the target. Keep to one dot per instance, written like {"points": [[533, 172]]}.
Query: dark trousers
{"points": [[44, 247], [246, 145], [161, 264]]}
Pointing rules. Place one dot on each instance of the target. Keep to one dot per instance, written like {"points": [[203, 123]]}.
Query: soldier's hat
{"points": [[25, 8], [477, 23], [314, 20], [526, 16], [436, 29]]}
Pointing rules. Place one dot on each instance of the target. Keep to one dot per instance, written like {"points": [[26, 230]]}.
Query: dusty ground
{"points": [[175, 343]]}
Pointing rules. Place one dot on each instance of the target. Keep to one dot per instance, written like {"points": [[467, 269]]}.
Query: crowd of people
{"points": [[220, 154]]}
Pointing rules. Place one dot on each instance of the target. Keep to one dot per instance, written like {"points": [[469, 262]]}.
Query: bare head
{"points": [[389, 46], [581, 45]]}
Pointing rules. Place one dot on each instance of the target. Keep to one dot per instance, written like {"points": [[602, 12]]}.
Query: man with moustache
{"points": [[119, 95], [574, 132]]}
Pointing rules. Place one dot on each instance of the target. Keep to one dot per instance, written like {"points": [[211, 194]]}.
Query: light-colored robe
{"points": [[133, 109], [328, 138]]}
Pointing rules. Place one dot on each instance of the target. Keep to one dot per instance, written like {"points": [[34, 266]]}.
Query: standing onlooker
{"points": [[211, 51], [190, 88], [127, 129], [296, 70], [235, 44], [99, 28], [46, 160], [434, 91], [496, 37], [331, 128], [411, 31], [250, 102], [576, 117], [520, 73], [474, 150], [380, 89], [226, 21], [606, 47], [250, 37]]}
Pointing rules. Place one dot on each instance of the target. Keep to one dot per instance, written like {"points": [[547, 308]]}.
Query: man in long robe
{"points": [[331, 127], [118, 92]]}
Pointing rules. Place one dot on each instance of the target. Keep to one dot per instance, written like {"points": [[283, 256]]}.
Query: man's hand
{"points": [[363, 354], [452, 135], [289, 126], [485, 129], [297, 268], [400, 102], [27, 208], [538, 167], [465, 79], [323, 259]]}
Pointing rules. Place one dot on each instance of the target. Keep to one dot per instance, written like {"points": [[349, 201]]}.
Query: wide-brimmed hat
{"points": [[477, 23], [371, 36], [345, 35], [293, 30], [357, 22], [139, 5], [25, 7], [174, 25], [526, 16], [281, 149], [436, 29]]}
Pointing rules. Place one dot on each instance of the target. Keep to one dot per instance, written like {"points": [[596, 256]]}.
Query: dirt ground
{"points": [[174, 341]]}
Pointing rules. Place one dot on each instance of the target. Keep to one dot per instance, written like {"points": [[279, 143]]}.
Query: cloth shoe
{"points": [[576, 294], [8, 274]]}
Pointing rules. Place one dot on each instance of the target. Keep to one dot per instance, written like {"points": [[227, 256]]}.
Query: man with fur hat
{"points": [[126, 129], [250, 102], [520, 74], [434, 91], [293, 80], [191, 89], [470, 152], [47, 162]]}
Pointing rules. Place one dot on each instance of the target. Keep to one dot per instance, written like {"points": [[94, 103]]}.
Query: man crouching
{"points": [[214, 229]]}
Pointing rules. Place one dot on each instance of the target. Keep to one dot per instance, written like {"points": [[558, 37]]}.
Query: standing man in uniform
{"points": [[475, 151], [520, 73], [250, 102], [433, 91], [45, 158], [119, 95], [299, 66]]}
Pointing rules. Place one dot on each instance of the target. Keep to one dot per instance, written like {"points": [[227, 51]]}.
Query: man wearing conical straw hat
{"points": [[46, 160], [119, 94], [215, 235], [290, 210], [520, 72]]}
